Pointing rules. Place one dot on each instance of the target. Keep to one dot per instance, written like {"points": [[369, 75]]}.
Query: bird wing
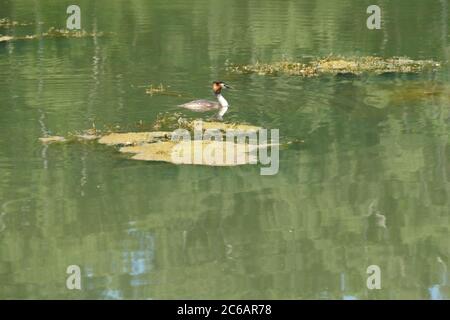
{"points": [[200, 105]]}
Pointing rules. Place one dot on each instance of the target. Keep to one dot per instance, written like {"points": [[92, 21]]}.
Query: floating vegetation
{"points": [[172, 121], [134, 138], [10, 38], [139, 138], [54, 33], [375, 65], [161, 90], [52, 139], [333, 65], [87, 137], [168, 121], [281, 67], [158, 145], [154, 90], [160, 151], [5, 38], [222, 126], [8, 23], [64, 33], [211, 153]]}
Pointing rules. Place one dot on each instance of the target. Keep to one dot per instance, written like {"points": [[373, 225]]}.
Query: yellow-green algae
{"points": [[162, 90], [167, 121], [5, 38], [52, 139], [151, 90], [8, 23], [158, 146], [133, 138], [333, 65], [87, 137], [64, 33], [53, 33], [224, 126], [172, 121], [201, 152]]}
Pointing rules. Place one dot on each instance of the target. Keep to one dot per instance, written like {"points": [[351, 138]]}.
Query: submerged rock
{"points": [[419, 91]]}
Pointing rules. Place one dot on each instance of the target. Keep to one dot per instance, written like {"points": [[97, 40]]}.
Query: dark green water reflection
{"points": [[374, 146]]}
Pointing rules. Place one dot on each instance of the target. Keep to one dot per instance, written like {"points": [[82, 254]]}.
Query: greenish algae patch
{"points": [[333, 65], [133, 138], [416, 92]]}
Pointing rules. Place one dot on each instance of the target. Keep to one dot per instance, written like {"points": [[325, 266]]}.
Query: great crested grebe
{"points": [[206, 105]]}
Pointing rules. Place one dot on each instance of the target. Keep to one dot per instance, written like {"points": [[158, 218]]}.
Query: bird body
{"points": [[203, 105]]}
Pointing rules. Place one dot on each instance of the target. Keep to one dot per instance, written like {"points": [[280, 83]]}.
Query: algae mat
{"points": [[338, 65], [157, 146]]}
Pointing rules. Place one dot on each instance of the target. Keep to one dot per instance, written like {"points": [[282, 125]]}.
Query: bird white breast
{"points": [[222, 111], [222, 101]]}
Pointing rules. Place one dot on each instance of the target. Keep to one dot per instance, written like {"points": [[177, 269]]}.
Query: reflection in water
{"points": [[436, 290], [343, 289], [135, 266], [141, 260]]}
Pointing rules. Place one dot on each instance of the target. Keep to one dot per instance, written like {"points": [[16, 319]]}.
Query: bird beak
{"points": [[227, 86]]}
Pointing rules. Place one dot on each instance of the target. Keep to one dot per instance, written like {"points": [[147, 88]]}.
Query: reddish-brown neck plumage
{"points": [[217, 88]]}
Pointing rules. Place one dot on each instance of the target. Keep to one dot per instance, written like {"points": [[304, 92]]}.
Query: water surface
{"points": [[374, 147]]}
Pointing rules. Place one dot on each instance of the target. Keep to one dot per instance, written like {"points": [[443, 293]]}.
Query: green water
{"points": [[374, 146]]}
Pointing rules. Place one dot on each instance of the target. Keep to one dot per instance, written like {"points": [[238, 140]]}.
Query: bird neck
{"points": [[222, 111], [223, 103]]}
